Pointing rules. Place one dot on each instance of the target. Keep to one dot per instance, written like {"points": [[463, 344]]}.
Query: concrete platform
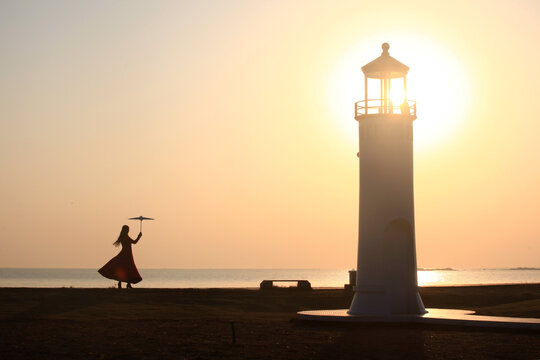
{"points": [[434, 316]]}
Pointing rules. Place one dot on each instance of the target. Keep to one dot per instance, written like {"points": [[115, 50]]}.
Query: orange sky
{"points": [[231, 122]]}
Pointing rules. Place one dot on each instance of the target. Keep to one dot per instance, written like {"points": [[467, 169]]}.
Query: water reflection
{"points": [[430, 277]]}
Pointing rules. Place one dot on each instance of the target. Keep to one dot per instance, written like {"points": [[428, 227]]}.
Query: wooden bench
{"points": [[300, 284]]}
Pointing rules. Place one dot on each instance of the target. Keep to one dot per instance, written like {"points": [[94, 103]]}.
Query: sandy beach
{"points": [[196, 324]]}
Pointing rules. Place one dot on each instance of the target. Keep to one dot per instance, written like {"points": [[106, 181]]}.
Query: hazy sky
{"points": [[231, 123]]}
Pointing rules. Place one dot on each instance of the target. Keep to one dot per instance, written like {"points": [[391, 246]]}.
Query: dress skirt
{"points": [[122, 267]]}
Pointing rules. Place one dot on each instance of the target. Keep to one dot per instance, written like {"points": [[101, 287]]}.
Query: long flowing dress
{"points": [[122, 267]]}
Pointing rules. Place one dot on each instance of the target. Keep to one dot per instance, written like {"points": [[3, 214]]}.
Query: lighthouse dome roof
{"points": [[385, 66]]}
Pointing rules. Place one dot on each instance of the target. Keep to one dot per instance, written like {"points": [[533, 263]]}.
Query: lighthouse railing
{"points": [[377, 106]]}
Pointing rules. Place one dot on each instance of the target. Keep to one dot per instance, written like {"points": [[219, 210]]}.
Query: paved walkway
{"points": [[434, 316]]}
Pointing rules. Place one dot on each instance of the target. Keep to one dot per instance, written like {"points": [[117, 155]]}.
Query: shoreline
{"points": [[227, 278], [257, 287]]}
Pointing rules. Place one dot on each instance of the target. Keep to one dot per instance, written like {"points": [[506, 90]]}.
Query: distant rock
{"points": [[436, 269]]}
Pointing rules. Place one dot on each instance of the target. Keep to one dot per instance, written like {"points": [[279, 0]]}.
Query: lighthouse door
{"points": [[400, 273]]}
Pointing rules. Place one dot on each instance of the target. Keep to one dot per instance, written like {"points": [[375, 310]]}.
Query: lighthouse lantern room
{"points": [[384, 69]]}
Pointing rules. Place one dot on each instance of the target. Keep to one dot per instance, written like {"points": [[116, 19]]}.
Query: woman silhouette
{"points": [[122, 267]]}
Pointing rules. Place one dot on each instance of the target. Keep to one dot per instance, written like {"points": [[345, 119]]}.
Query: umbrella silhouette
{"points": [[141, 218]]}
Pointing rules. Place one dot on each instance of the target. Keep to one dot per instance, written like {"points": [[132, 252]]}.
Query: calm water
{"points": [[204, 278]]}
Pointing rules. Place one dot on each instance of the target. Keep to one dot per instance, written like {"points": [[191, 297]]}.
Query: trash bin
{"points": [[352, 280]]}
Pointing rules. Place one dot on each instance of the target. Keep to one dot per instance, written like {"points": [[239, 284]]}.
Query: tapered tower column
{"points": [[386, 272]]}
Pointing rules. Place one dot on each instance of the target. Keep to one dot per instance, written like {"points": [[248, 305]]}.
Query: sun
{"points": [[437, 81]]}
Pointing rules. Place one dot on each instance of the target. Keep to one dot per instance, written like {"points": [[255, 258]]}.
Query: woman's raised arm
{"points": [[137, 239]]}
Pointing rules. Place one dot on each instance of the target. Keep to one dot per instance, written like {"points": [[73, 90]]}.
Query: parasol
{"points": [[141, 218]]}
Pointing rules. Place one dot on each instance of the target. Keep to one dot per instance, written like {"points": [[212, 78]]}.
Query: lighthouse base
{"points": [[433, 316]]}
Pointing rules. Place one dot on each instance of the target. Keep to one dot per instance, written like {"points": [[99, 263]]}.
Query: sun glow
{"points": [[437, 81]]}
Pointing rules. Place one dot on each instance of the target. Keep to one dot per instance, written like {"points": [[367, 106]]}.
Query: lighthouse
{"points": [[386, 282], [386, 287]]}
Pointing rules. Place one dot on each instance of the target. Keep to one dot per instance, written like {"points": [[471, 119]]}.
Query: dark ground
{"points": [[196, 324]]}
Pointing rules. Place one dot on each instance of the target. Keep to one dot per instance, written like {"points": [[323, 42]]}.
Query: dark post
{"points": [[233, 333]]}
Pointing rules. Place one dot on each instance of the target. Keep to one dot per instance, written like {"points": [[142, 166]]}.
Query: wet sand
{"points": [[196, 324]]}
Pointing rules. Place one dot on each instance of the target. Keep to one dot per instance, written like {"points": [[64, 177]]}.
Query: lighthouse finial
{"points": [[385, 48]]}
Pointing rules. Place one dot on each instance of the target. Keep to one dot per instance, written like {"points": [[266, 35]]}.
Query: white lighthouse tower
{"points": [[386, 274], [386, 285]]}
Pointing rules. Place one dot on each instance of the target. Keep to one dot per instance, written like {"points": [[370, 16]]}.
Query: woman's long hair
{"points": [[123, 232]]}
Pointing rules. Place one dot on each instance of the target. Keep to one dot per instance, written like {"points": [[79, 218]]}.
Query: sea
{"points": [[251, 278]]}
